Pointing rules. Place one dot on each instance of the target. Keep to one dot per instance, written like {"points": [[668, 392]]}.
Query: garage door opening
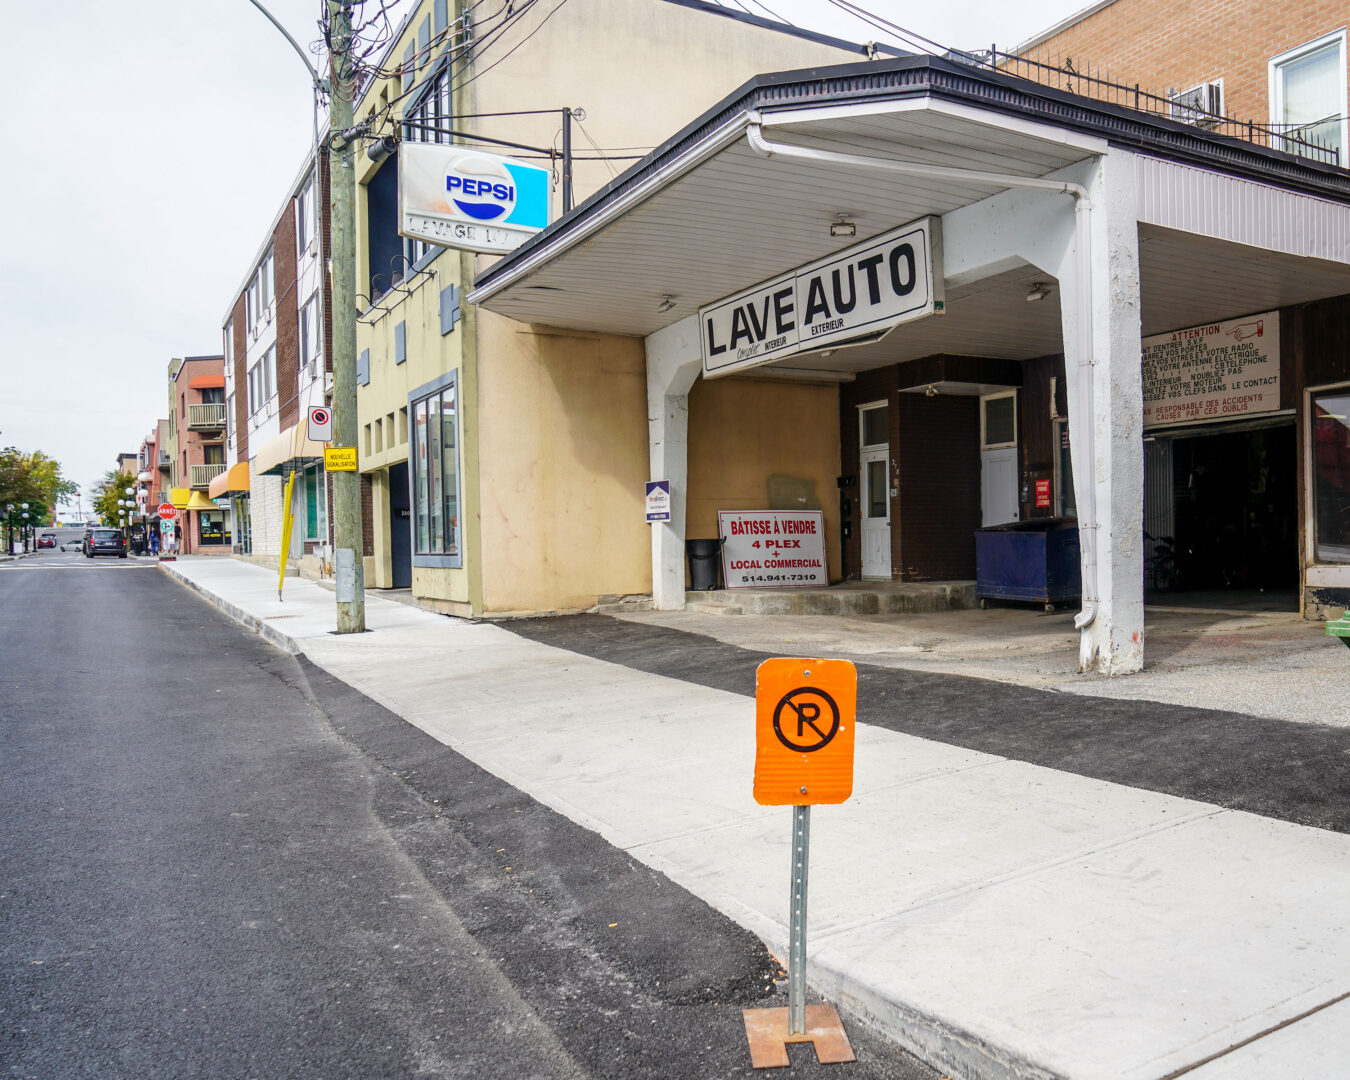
{"points": [[1221, 517]]}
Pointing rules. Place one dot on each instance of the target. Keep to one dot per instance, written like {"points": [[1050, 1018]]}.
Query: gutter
{"points": [[1088, 527]]}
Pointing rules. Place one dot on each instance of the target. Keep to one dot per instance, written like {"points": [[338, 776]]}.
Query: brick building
{"points": [[197, 451], [1282, 65]]}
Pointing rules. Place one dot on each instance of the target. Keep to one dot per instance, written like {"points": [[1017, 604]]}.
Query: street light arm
{"points": [[320, 85]]}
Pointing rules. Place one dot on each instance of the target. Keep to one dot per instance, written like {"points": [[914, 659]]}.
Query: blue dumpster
{"points": [[1035, 561]]}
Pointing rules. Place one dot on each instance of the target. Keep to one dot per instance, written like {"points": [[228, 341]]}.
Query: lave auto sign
{"points": [[853, 296]]}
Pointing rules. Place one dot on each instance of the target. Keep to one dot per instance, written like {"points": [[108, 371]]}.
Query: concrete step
{"points": [[885, 598]]}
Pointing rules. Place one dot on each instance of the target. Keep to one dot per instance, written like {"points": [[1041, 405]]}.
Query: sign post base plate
{"points": [[766, 1030]]}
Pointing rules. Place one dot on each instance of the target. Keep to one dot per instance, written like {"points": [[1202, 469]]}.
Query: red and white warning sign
{"points": [[772, 549], [320, 423]]}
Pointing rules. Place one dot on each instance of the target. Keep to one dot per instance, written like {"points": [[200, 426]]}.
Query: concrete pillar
{"points": [[673, 363], [1039, 229], [1113, 643]]}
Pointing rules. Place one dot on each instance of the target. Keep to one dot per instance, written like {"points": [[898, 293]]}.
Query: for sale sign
{"points": [[772, 549]]}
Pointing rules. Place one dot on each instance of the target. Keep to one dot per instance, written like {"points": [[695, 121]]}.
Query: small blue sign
{"points": [[658, 500]]}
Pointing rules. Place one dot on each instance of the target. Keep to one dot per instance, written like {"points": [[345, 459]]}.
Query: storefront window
{"points": [[213, 527], [435, 480], [1331, 476], [316, 517]]}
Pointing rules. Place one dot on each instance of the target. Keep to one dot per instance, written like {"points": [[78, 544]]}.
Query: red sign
{"points": [[166, 511], [1042, 493]]}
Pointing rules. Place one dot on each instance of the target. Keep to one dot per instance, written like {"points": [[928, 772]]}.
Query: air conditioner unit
{"points": [[1201, 106]]}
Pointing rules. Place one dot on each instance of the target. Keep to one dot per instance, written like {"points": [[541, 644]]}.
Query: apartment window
{"points": [[1331, 475], [431, 113], [309, 330], [229, 343], [305, 222], [258, 296], [1308, 94], [262, 380], [434, 457]]}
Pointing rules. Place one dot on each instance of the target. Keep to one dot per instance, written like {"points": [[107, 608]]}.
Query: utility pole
{"points": [[349, 571]]}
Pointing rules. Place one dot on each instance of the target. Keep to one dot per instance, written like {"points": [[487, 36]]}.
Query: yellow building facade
{"points": [[538, 504]]}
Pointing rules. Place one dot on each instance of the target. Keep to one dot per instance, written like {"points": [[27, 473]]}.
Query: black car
{"points": [[106, 542]]}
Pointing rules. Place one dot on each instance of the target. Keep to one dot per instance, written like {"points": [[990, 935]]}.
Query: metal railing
{"points": [[209, 415], [202, 475], [1297, 139]]}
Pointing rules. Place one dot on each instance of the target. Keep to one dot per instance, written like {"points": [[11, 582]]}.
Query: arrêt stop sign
{"points": [[166, 511]]}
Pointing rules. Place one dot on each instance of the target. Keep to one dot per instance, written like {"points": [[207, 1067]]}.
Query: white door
{"points": [[998, 486], [876, 514]]}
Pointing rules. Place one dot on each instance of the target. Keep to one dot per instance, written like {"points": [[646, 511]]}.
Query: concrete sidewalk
{"points": [[999, 918]]}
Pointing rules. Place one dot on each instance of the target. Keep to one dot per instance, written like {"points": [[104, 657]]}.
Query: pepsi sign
{"points": [[854, 296], [470, 199]]}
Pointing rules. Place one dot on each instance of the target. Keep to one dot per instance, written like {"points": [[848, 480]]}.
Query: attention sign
{"points": [[772, 548], [804, 711], [854, 296], [1212, 372]]}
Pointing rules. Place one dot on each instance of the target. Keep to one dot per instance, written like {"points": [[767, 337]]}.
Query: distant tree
{"points": [[31, 478], [110, 487]]}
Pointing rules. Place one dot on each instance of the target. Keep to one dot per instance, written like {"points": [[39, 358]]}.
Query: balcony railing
{"points": [[1311, 141], [210, 415], [202, 475], [164, 460]]}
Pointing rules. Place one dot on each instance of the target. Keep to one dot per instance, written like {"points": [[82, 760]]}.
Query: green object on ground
{"points": [[1340, 628]]}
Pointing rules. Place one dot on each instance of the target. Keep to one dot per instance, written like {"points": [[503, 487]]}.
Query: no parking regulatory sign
{"points": [[804, 712]]}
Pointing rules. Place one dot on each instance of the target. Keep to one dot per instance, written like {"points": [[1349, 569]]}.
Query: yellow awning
{"points": [[290, 449], [180, 497], [235, 478]]}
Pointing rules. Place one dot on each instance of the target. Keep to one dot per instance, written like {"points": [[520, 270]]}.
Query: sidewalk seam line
{"points": [[1255, 1038]]}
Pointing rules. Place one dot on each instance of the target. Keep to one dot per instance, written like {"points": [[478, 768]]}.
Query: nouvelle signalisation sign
{"points": [[853, 296], [469, 199]]}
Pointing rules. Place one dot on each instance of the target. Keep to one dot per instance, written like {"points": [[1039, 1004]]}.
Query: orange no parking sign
{"points": [[804, 712]]}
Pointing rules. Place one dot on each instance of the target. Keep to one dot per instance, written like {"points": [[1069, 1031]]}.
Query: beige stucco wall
{"points": [[742, 431], [558, 421], [563, 460]]}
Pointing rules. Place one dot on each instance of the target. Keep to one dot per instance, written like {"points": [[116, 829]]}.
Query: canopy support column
{"points": [[673, 363]]}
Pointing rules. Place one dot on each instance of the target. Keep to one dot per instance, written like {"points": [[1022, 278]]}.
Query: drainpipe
{"points": [[1082, 250]]}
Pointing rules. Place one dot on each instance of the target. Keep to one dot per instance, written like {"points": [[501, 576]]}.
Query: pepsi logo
{"points": [[481, 188]]}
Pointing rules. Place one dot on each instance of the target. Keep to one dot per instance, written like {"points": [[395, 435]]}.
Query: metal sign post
{"points": [[801, 861], [804, 739]]}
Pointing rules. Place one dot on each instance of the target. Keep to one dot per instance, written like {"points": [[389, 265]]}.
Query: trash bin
{"points": [[1340, 628], [705, 563], [1035, 561]]}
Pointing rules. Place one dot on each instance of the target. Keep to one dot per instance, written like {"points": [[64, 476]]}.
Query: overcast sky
{"points": [[148, 147]]}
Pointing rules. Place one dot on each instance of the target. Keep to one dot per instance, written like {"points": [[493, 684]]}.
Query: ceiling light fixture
{"points": [[841, 226], [932, 391], [666, 304], [1039, 291]]}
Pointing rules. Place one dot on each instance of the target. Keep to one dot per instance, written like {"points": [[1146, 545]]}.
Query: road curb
{"points": [[262, 628]]}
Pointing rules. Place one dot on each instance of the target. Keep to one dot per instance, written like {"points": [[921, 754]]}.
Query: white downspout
{"points": [[1082, 253]]}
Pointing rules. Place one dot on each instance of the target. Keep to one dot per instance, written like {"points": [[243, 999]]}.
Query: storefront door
{"points": [[876, 519], [998, 458]]}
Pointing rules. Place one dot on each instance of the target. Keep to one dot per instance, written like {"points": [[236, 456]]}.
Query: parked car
{"points": [[47, 540], [74, 545], [106, 542]]}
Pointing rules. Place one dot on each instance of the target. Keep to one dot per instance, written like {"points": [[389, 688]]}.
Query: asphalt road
{"points": [[218, 862]]}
